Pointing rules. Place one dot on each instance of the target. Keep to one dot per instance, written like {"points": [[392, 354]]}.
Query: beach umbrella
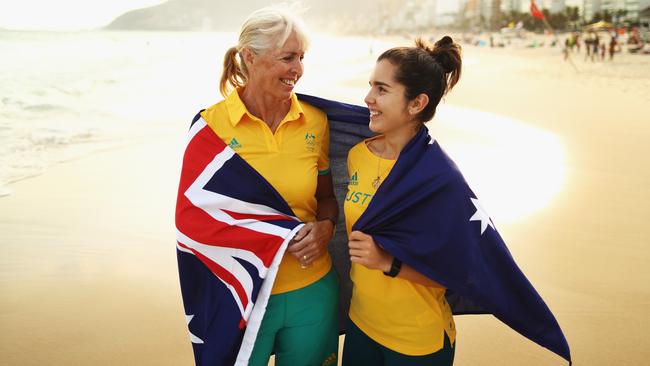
{"points": [[599, 25]]}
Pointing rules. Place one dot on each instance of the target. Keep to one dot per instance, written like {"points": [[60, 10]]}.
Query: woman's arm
{"points": [[310, 243], [326, 208], [364, 251]]}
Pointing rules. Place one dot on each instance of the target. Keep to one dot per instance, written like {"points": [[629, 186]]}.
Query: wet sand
{"points": [[88, 271]]}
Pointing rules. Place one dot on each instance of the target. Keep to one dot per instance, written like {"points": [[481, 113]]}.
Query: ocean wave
{"points": [[44, 107]]}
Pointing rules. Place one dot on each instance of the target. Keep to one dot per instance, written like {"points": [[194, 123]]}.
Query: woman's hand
{"points": [[364, 251], [310, 242]]}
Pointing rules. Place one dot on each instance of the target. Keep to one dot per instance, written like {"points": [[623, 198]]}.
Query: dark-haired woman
{"points": [[398, 316]]}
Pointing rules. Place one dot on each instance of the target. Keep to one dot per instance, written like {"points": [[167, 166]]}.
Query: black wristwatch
{"points": [[395, 267]]}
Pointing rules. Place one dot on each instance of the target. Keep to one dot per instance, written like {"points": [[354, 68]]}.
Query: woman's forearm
{"points": [[408, 273], [326, 207]]}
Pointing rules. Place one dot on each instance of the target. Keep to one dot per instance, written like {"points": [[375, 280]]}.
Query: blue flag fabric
{"points": [[233, 229], [425, 214]]}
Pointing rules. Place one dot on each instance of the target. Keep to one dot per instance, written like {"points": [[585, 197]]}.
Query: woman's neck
{"points": [[393, 142], [270, 110]]}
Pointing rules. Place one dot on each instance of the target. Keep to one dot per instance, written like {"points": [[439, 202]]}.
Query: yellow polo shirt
{"points": [[289, 159], [401, 315]]}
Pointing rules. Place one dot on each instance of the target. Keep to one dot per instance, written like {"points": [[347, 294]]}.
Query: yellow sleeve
{"points": [[324, 154]]}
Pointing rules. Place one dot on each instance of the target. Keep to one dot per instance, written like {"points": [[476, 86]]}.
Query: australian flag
{"points": [[425, 214], [232, 231]]}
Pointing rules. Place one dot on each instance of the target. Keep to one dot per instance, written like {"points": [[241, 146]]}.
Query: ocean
{"points": [[64, 95]]}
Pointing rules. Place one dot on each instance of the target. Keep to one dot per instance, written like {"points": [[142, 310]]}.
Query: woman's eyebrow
{"points": [[379, 83]]}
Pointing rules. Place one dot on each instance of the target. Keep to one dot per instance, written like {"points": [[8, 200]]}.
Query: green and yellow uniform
{"points": [[302, 309], [400, 315]]}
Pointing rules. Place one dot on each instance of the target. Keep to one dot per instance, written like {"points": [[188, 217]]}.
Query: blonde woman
{"points": [[286, 141]]}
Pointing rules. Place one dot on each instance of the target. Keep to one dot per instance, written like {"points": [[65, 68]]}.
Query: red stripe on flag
{"points": [[223, 274], [241, 216], [203, 228], [200, 151]]}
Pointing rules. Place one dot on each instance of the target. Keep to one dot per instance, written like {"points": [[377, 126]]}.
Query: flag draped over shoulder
{"points": [[425, 214], [232, 231]]}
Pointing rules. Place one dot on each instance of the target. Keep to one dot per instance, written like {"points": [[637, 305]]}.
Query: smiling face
{"points": [[275, 72], [387, 101]]}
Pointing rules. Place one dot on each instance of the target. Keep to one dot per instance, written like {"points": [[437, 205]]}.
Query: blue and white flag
{"points": [[425, 214]]}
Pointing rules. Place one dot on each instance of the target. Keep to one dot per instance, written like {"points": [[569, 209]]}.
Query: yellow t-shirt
{"points": [[401, 315], [289, 159]]}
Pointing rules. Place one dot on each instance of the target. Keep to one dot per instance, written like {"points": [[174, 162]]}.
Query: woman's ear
{"points": [[418, 104], [248, 57]]}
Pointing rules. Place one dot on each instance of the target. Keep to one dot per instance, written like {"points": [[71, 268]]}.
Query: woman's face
{"points": [[276, 71], [386, 100]]}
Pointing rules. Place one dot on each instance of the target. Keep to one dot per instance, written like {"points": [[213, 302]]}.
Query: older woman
{"points": [[287, 142]]}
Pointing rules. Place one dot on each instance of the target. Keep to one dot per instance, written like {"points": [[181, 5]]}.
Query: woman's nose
{"points": [[298, 67], [369, 99]]}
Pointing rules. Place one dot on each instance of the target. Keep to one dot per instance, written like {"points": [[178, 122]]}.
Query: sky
{"points": [[88, 14], [64, 14]]}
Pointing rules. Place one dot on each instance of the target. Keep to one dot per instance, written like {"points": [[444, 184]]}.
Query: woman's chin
{"points": [[375, 127]]}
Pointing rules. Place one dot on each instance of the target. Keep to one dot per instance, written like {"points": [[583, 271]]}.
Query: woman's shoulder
{"points": [[313, 113], [215, 111], [361, 148], [218, 107]]}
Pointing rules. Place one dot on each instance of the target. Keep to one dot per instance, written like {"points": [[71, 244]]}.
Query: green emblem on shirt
{"points": [[310, 141], [354, 180], [234, 144]]}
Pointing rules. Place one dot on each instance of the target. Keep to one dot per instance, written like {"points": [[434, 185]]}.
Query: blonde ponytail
{"points": [[233, 74]]}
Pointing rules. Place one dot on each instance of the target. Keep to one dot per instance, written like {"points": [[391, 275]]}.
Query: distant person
{"points": [[565, 50], [603, 50], [612, 48], [595, 47]]}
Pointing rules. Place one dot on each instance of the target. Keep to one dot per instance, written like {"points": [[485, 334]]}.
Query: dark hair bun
{"points": [[447, 53], [444, 41]]}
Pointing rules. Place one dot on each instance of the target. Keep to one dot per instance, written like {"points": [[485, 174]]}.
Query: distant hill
{"points": [[188, 15], [218, 15]]}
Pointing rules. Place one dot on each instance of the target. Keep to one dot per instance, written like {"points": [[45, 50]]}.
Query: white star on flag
{"points": [[481, 215], [193, 338]]}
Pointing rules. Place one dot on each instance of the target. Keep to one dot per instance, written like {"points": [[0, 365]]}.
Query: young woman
{"points": [[398, 316]]}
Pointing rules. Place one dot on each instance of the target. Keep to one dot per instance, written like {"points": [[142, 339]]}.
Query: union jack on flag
{"points": [[232, 231]]}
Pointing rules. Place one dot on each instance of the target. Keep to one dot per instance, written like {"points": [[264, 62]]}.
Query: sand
{"points": [[88, 272]]}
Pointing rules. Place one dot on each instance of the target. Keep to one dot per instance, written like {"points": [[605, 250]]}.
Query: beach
{"points": [[558, 156]]}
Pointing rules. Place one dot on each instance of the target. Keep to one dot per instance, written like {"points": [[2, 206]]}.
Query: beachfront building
{"points": [[554, 6], [408, 15], [483, 14], [511, 5], [619, 10], [557, 6]]}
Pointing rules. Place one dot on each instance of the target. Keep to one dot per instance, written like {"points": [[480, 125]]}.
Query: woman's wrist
{"points": [[394, 268], [386, 263], [330, 219]]}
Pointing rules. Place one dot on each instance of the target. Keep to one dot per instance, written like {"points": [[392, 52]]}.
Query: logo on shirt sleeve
{"points": [[354, 179]]}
